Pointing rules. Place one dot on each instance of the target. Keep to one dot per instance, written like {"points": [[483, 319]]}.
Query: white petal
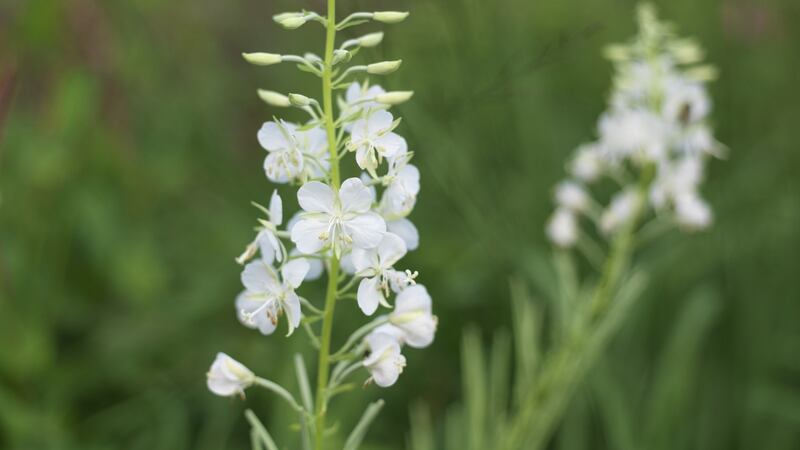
{"points": [[295, 271], [306, 235], [413, 299], [353, 92], [420, 332], [391, 145], [406, 230], [355, 197], [271, 137], [263, 321], [316, 197], [275, 209], [364, 259], [366, 230], [379, 121], [391, 249], [267, 244], [346, 263], [369, 295], [291, 306], [256, 277]]}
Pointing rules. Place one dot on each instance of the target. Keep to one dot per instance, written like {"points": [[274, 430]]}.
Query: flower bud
{"points": [[274, 98], [394, 97], [702, 73], [616, 53], [370, 40], [299, 100], [291, 23], [229, 377], [389, 16], [340, 56], [686, 51], [287, 15], [384, 68], [262, 59]]}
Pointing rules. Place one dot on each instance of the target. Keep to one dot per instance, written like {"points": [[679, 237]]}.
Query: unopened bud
{"points": [[702, 73], [287, 15], [394, 97], [389, 16], [299, 100], [370, 40], [686, 52], [291, 23], [274, 98], [383, 68], [616, 53], [340, 56], [262, 59]]}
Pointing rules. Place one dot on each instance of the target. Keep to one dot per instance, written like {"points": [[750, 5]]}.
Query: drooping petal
{"points": [[385, 363], [355, 197], [294, 272], [412, 315], [406, 230], [316, 197], [227, 376], [308, 235], [291, 306], [366, 230], [369, 295], [264, 320]]}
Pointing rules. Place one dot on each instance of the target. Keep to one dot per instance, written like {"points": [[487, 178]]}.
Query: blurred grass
{"points": [[128, 159]]}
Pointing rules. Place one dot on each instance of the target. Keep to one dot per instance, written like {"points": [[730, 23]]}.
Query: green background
{"points": [[128, 160]]}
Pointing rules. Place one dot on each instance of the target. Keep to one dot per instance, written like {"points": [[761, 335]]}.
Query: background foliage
{"points": [[128, 159]]}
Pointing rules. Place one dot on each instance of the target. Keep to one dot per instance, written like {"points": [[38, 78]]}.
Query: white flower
{"points": [[685, 102], [633, 133], [267, 296], [412, 316], [384, 362], [675, 179], [227, 376], [406, 230], [266, 239], [337, 221], [619, 211], [692, 212], [285, 160], [562, 229], [373, 265], [587, 164], [372, 139], [294, 154], [401, 194], [572, 196], [313, 143], [360, 98]]}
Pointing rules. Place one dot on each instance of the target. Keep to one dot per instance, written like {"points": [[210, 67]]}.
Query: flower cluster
{"points": [[356, 231], [655, 134]]}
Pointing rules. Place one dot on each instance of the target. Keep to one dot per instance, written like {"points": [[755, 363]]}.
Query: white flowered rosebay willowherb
{"points": [[354, 231], [654, 141], [339, 221]]}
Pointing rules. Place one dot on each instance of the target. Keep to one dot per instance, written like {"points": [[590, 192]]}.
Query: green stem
{"points": [[323, 365], [567, 364]]}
